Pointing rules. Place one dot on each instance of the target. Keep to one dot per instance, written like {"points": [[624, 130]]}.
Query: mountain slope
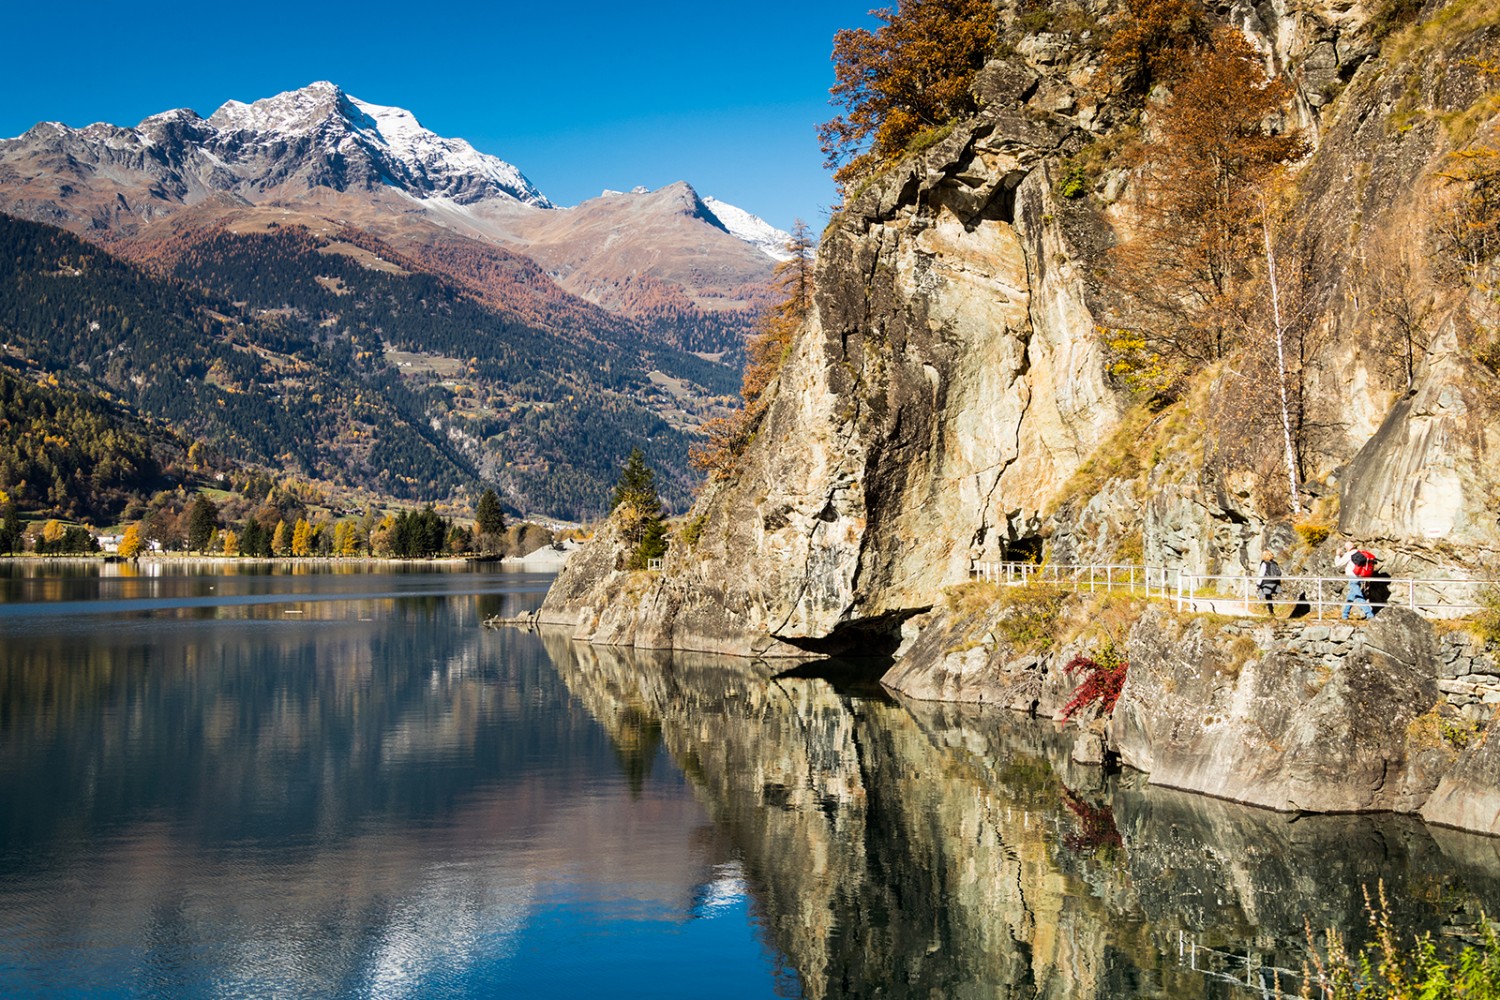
{"points": [[331, 354]]}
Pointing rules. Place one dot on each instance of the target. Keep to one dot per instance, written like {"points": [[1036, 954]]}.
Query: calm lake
{"points": [[334, 782]]}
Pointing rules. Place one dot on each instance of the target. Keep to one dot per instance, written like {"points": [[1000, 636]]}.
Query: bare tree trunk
{"points": [[1286, 415]]}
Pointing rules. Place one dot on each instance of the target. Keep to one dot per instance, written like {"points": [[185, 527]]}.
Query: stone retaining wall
{"points": [[1467, 675]]}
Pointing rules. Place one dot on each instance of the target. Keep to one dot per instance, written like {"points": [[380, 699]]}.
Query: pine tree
{"points": [[1201, 196], [489, 519], [11, 531], [767, 351], [202, 520], [638, 512], [636, 486]]}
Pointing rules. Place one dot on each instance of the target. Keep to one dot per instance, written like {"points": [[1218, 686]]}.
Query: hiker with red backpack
{"points": [[1359, 565]]}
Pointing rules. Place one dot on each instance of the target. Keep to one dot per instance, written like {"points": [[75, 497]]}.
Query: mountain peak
{"points": [[751, 228], [295, 112]]}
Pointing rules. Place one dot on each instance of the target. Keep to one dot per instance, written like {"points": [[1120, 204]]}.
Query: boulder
{"points": [[1245, 713]]}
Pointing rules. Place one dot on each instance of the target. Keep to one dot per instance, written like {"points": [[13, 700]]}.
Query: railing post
{"points": [[1411, 593]]}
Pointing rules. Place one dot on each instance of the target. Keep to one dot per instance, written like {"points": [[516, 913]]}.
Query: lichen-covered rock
{"points": [[1266, 715]]}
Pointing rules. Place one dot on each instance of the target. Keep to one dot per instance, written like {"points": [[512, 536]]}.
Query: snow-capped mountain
{"points": [[324, 160], [307, 143], [391, 140], [751, 228], [274, 149]]}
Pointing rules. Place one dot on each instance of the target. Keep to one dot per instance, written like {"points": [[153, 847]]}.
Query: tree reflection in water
{"points": [[918, 850]]}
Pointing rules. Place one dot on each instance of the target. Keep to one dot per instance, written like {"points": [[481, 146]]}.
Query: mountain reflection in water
{"points": [[919, 850], [340, 785]]}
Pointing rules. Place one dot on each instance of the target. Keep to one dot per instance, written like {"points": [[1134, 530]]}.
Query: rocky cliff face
{"points": [[941, 403]]}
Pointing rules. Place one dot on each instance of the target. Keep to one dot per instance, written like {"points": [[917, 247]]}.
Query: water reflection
{"points": [[922, 850], [373, 798], [351, 789]]}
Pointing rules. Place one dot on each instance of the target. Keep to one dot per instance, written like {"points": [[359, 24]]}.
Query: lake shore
{"points": [[544, 560]]}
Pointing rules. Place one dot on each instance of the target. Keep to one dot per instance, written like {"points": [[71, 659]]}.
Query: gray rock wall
{"points": [[1390, 715]]}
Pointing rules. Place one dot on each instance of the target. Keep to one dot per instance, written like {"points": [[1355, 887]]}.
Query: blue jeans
{"points": [[1357, 596]]}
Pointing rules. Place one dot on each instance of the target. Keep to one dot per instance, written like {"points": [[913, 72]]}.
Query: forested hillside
{"points": [[339, 359], [75, 454]]}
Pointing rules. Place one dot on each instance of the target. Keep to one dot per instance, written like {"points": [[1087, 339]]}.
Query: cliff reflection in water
{"points": [[923, 850]]}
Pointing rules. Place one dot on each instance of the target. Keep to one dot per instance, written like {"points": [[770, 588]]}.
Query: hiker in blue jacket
{"points": [[1351, 561]]}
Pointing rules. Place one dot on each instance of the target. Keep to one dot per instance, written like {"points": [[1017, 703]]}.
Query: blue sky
{"points": [[581, 95]]}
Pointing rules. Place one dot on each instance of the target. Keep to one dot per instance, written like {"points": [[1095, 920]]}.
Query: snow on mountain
{"points": [[405, 154], [751, 228]]}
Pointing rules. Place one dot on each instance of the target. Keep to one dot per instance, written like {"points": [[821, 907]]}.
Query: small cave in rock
{"points": [[1026, 549]]}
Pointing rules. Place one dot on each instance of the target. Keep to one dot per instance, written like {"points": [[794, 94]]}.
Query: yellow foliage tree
{"points": [[231, 541], [380, 538], [302, 538], [131, 544], [1201, 192], [280, 543]]}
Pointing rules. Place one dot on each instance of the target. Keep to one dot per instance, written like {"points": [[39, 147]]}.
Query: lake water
{"points": [[321, 783]]}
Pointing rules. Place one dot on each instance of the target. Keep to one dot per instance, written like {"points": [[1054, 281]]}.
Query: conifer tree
{"points": [[1198, 239], [767, 351], [637, 509], [302, 538], [489, 519], [11, 531], [202, 520]]}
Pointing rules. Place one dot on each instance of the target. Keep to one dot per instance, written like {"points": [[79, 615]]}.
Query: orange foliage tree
{"points": [[1155, 41], [910, 74], [766, 351], [1197, 238]]}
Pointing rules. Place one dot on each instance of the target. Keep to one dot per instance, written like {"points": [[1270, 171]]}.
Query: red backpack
{"points": [[1364, 563]]}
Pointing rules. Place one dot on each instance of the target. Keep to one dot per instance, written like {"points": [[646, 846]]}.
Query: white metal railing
{"points": [[1240, 594], [1149, 581], [654, 565]]}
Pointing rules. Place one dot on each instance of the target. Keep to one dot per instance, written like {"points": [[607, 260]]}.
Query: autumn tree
{"points": [[382, 534], [345, 539], [231, 543], [281, 541], [910, 74], [1198, 238], [766, 351], [1155, 41], [302, 538], [1469, 228], [131, 543]]}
